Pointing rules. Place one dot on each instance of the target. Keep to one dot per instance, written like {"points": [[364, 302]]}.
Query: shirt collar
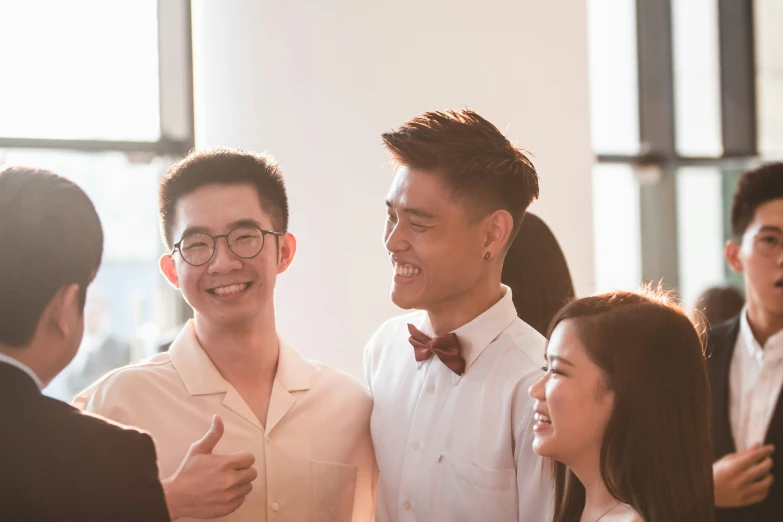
{"points": [[26, 369], [201, 377], [751, 345], [480, 332]]}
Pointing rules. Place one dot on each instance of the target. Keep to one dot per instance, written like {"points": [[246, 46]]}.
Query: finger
{"points": [[758, 491], [750, 457], [207, 443], [240, 491], [245, 476], [757, 471], [236, 504], [231, 506], [240, 460]]}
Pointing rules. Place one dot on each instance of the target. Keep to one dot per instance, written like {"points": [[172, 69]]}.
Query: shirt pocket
{"points": [[334, 489], [470, 492]]}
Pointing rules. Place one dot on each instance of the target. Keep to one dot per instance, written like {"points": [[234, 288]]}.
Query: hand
{"points": [[206, 485], [743, 478]]}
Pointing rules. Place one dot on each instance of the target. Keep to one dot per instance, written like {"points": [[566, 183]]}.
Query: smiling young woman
{"points": [[624, 412]]}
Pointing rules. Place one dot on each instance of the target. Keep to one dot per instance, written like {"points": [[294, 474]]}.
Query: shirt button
{"points": [[267, 438], [275, 506], [416, 446], [407, 506], [431, 388]]}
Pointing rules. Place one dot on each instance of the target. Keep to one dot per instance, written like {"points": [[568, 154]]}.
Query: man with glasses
{"points": [[301, 426], [746, 362]]}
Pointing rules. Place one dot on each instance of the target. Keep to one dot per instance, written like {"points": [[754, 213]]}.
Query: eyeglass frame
{"points": [[754, 238], [264, 233]]}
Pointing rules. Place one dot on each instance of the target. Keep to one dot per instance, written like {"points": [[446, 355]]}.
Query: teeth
{"points": [[406, 270], [233, 289], [542, 418]]}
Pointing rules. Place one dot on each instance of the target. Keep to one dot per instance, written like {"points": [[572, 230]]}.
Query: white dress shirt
{"points": [[26, 369], [755, 380], [453, 448]]}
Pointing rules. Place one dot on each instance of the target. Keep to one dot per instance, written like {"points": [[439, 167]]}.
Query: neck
{"points": [[598, 500], [763, 323], [447, 316], [29, 357], [244, 354]]}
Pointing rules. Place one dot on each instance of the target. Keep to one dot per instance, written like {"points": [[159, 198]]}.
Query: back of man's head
{"points": [[50, 238]]}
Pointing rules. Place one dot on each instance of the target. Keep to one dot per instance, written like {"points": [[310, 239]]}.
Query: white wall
{"points": [[316, 82]]}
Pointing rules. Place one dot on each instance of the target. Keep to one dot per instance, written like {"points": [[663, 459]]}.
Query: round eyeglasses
{"points": [[245, 242], [768, 244]]}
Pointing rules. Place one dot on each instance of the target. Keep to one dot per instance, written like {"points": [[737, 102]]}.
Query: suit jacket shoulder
{"points": [[723, 336], [61, 464]]}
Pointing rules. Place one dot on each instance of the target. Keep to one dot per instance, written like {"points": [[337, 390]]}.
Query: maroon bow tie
{"points": [[446, 347]]}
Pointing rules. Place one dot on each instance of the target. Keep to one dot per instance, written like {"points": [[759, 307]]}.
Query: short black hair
{"points": [[51, 237], [754, 188], [478, 163], [222, 166]]}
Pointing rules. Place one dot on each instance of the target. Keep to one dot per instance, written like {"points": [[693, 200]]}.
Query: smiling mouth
{"points": [[230, 289], [541, 418], [406, 270]]}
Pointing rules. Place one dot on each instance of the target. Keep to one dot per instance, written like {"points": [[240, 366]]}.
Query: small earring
{"points": [[486, 256]]}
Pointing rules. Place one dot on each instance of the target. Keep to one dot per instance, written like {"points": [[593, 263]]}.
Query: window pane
{"points": [[699, 230], [614, 90], [697, 77], [618, 260], [129, 304], [769, 75], [81, 69]]}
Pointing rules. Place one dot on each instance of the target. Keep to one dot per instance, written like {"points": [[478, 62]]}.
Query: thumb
{"points": [[208, 442]]}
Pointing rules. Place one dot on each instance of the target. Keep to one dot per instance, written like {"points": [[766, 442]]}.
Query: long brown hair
{"points": [[656, 453]]}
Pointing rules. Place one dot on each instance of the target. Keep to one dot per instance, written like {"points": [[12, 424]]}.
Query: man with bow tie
{"points": [[452, 420]]}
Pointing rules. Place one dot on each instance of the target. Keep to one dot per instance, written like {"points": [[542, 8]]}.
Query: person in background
{"points": [[746, 362], [718, 304], [623, 410], [536, 271], [55, 462], [99, 353]]}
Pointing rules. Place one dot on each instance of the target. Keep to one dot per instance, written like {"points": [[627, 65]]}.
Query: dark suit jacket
{"points": [[721, 342], [59, 464]]}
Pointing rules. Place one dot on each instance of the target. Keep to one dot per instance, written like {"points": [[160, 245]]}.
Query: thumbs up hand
{"points": [[209, 486]]}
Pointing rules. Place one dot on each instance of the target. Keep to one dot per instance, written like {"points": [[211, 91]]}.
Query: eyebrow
{"points": [[555, 358], [771, 228], [231, 226], [413, 211]]}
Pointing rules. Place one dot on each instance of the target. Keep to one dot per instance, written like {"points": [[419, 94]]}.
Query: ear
{"points": [[732, 253], [65, 311], [169, 270], [499, 227], [287, 251]]}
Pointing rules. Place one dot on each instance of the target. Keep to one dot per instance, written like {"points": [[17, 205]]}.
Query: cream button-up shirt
{"points": [[314, 457], [458, 449]]}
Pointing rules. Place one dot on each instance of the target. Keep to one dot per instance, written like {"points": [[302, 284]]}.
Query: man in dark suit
{"points": [[55, 462], [746, 360]]}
